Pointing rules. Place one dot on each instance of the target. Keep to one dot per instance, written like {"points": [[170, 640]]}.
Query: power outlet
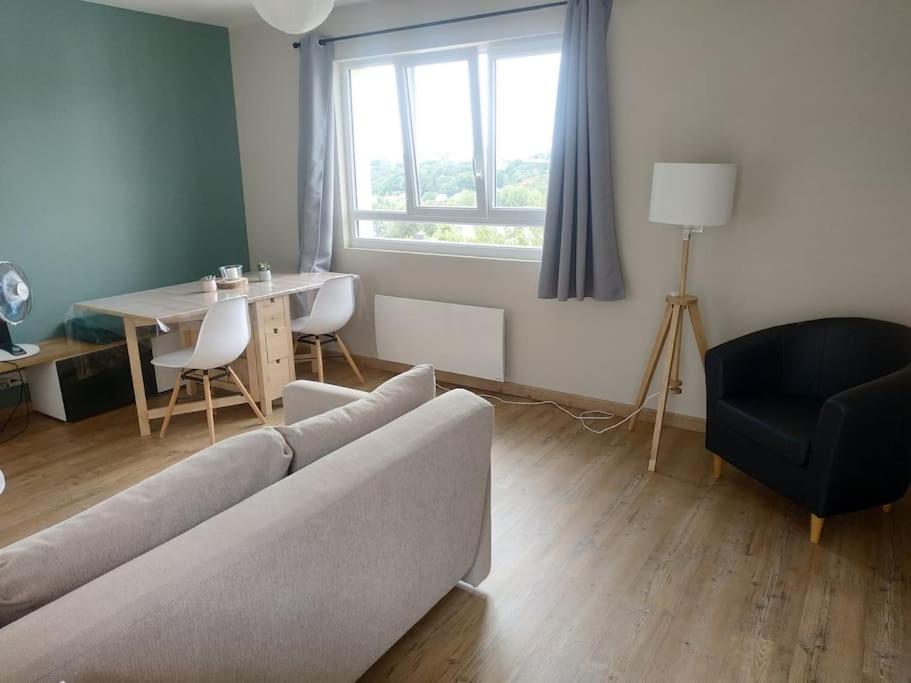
{"points": [[10, 382]]}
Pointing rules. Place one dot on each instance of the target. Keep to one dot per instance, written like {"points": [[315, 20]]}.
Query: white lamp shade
{"points": [[294, 16], [692, 194]]}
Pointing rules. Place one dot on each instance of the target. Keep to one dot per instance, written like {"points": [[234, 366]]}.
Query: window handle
{"points": [[476, 167]]}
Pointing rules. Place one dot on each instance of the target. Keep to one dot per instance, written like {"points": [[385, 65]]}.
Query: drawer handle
{"points": [[275, 330]]}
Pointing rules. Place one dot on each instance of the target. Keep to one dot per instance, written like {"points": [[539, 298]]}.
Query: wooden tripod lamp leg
{"points": [[698, 331], [665, 388], [652, 363], [676, 384]]}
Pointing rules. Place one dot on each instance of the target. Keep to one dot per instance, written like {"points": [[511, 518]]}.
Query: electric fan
{"points": [[15, 305]]}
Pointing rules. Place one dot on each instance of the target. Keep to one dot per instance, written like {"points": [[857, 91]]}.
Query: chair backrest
{"points": [[333, 307], [223, 336], [824, 357]]}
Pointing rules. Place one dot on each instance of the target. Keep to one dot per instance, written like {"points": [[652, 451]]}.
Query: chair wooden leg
{"points": [[319, 360], [243, 390], [717, 466], [171, 404], [815, 528], [341, 345], [887, 508], [210, 414]]}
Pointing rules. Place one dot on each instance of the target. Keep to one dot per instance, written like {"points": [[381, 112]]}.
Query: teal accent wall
{"points": [[119, 163]]}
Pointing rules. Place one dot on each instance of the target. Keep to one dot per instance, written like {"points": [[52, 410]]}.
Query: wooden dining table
{"points": [[266, 367]]}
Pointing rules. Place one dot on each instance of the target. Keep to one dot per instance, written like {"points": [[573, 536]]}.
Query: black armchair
{"points": [[818, 411]]}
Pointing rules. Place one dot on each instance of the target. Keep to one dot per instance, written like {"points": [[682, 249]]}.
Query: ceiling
{"points": [[218, 12]]}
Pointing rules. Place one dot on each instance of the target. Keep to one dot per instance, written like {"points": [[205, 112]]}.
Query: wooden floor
{"points": [[601, 570]]}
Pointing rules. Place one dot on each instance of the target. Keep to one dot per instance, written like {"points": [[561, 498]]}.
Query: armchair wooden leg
{"points": [[815, 528], [171, 404], [887, 508], [341, 345], [717, 465], [210, 415], [243, 390]]}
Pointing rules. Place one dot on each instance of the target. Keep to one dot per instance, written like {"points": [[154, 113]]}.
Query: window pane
{"points": [[379, 173], [509, 236], [443, 137], [526, 96]]}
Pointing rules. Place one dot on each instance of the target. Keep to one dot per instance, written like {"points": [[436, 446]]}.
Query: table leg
{"points": [[139, 389], [258, 348]]}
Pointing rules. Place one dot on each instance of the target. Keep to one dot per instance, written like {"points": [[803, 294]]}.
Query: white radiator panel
{"points": [[468, 340]]}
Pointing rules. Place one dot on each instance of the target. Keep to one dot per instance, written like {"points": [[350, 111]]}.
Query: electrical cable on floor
{"points": [[582, 417], [23, 398]]}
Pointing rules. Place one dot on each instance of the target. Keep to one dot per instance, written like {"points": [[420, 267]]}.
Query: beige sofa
{"points": [[311, 579]]}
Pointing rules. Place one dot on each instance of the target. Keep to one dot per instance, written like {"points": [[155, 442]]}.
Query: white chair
{"points": [[223, 337], [331, 311]]}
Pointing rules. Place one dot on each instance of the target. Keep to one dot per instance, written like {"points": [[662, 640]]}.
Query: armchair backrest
{"points": [[821, 358]]}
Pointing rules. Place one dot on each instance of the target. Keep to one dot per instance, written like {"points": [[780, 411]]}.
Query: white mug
{"points": [[231, 272]]}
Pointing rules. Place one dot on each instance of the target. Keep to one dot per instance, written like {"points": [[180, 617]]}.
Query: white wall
{"points": [[812, 99]]}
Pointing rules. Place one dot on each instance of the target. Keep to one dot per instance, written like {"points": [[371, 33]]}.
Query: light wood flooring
{"points": [[602, 572]]}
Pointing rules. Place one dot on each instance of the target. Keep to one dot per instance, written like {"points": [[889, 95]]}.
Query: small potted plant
{"points": [[265, 271], [208, 283]]}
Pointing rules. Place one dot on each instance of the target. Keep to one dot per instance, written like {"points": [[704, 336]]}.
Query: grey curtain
{"points": [[580, 256], [316, 156]]}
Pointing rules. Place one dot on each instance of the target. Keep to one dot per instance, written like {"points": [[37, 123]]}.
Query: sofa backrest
{"points": [[311, 579], [59, 559], [317, 436], [821, 358]]}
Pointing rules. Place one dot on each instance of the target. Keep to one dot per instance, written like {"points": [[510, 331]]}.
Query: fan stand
{"points": [[676, 308], [6, 347], [6, 357]]}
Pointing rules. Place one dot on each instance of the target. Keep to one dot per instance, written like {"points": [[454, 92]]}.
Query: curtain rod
{"points": [[441, 22]]}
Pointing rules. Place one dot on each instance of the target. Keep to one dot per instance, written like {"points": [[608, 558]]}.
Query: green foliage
{"points": [[521, 183], [511, 236], [387, 178]]}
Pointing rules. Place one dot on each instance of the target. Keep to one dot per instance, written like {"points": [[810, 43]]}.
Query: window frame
{"points": [[484, 162]]}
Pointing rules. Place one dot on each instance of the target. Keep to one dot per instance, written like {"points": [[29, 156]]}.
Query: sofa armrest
{"points": [[303, 399], [747, 365], [861, 453]]}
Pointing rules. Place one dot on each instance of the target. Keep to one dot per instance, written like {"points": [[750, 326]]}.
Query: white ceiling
{"points": [[218, 12]]}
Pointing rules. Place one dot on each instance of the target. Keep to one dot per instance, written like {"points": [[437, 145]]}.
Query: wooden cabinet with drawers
{"points": [[270, 358]]}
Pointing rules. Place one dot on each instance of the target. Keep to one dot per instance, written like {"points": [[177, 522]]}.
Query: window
{"points": [[449, 151]]}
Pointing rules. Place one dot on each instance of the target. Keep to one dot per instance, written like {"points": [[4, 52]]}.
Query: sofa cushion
{"points": [[317, 436], [57, 560], [782, 424]]}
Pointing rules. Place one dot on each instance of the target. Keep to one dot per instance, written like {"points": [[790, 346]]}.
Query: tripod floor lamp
{"points": [[691, 196]]}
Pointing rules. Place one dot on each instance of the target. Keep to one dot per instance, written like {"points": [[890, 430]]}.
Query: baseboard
{"points": [[694, 424]]}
